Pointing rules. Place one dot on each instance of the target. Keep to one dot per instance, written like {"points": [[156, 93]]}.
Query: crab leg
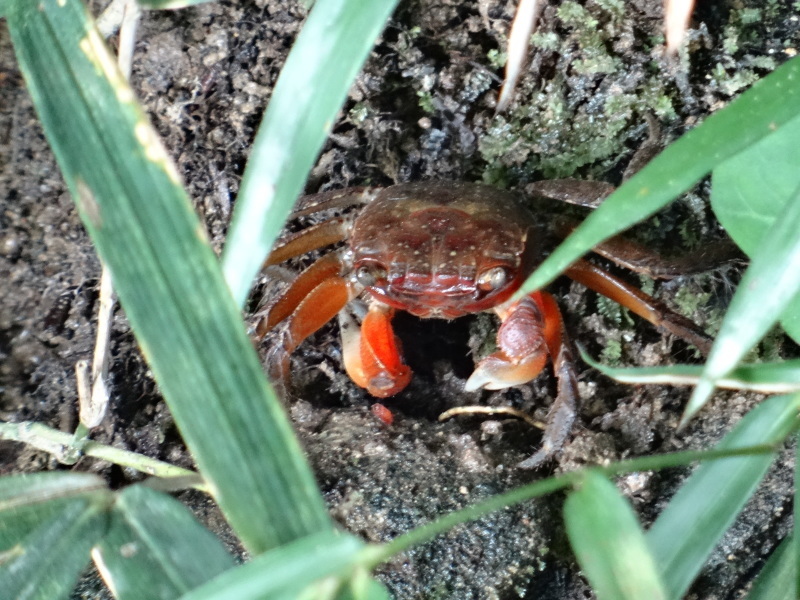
{"points": [[317, 236], [314, 203], [562, 413], [640, 259], [327, 267], [640, 303], [532, 329], [372, 354], [319, 293]]}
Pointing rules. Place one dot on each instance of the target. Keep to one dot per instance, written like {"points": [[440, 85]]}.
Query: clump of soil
{"points": [[422, 109]]}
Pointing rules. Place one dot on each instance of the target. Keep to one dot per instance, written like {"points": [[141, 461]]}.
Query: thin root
{"points": [[491, 410]]}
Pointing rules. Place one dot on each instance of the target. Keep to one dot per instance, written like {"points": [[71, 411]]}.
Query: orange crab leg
{"points": [[323, 234], [327, 267], [316, 309], [640, 303], [372, 354]]}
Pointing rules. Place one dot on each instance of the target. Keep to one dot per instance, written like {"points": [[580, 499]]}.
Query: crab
{"points": [[444, 250]]}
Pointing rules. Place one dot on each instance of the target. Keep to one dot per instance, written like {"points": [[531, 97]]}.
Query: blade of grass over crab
{"points": [[758, 112], [27, 501], [765, 378], [611, 550], [686, 532], [47, 563], [745, 210], [155, 548], [284, 572], [312, 86], [778, 578], [167, 276], [768, 286]]}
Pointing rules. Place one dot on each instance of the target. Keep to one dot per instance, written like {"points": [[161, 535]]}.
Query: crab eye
{"points": [[370, 273], [492, 279]]}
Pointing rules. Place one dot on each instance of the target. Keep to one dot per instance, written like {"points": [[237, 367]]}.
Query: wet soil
{"points": [[423, 109]]}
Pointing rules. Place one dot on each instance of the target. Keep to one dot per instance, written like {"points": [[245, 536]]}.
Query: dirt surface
{"points": [[421, 110]]}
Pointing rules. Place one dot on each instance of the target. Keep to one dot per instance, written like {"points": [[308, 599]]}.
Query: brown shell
{"points": [[434, 240]]}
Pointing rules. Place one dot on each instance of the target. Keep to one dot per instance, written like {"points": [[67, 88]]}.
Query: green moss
{"points": [[359, 113], [770, 348], [733, 82], [611, 354], [546, 40], [577, 123], [616, 8], [426, 101], [613, 312], [750, 15], [688, 299], [647, 285], [572, 13], [730, 39], [497, 59]]}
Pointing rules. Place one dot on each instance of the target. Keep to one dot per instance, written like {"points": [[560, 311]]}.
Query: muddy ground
{"points": [[421, 110]]}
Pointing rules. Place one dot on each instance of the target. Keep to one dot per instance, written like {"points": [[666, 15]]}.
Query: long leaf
{"points": [[284, 572], [778, 578], [766, 378], [28, 500], [752, 189], [48, 562], [156, 549], [768, 286], [167, 276], [684, 535], [609, 542]]}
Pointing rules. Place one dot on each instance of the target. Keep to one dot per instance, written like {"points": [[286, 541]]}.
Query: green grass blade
{"points": [[757, 113], [167, 276], [27, 501], [766, 378], [684, 535], [284, 572], [36, 488], [778, 578], [312, 86], [744, 209], [363, 587], [156, 549], [46, 565], [169, 4], [609, 543], [768, 286]]}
